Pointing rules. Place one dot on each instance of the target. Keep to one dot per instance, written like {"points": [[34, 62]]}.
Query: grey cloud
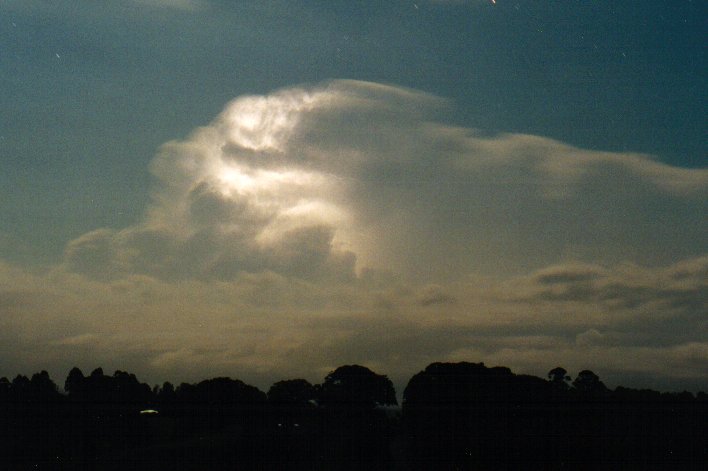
{"points": [[11, 299], [568, 274], [628, 286], [435, 295], [454, 201], [691, 272], [92, 253], [594, 337], [208, 207]]}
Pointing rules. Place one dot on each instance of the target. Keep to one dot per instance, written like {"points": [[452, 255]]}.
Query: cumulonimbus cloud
{"points": [[348, 216], [348, 176]]}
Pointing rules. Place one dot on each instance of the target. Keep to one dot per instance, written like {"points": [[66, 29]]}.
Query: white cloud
{"points": [[311, 182]]}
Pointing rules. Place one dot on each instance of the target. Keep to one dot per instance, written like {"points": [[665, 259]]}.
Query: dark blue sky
{"points": [[548, 209]]}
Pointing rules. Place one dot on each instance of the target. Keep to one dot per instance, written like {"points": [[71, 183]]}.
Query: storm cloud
{"points": [[315, 181]]}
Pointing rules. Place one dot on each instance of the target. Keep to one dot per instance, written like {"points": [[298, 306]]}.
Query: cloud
{"points": [[433, 295], [682, 285], [344, 223], [332, 180], [264, 327]]}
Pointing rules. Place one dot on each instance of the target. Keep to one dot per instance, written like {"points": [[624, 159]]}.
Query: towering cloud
{"points": [[348, 176]]}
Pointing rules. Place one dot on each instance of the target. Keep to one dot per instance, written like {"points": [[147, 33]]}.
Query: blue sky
{"points": [[496, 140]]}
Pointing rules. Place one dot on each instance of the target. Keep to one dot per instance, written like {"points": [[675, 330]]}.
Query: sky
{"points": [[269, 190]]}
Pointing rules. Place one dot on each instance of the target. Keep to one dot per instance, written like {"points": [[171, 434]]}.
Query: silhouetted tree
{"points": [[293, 392], [5, 386], [97, 373], [216, 402], [125, 388], [166, 394], [42, 388], [559, 376], [354, 427], [20, 388], [588, 382], [354, 385], [455, 416], [227, 391], [74, 381], [467, 416]]}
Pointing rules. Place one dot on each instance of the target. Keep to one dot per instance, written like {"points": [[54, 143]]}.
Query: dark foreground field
{"points": [[461, 416]]}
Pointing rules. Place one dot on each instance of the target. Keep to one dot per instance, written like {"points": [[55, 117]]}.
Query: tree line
{"points": [[453, 416]]}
